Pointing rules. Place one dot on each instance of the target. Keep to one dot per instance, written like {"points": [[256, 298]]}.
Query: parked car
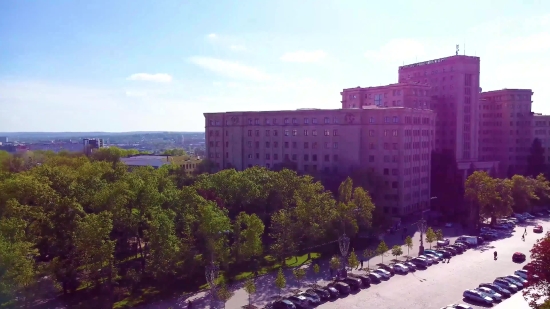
{"points": [[458, 248], [443, 243], [354, 283], [477, 296], [283, 304], [342, 288], [430, 259], [365, 280], [312, 298], [518, 279], [489, 292], [452, 250], [518, 257], [433, 256], [420, 263], [333, 291], [446, 254], [462, 245], [500, 290], [321, 293], [433, 252], [506, 284], [375, 277], [522, 273], [459, 306], [513, 281], [300, 302], [387, 268], [383, 273], [537, 229], [400, 268], [410, 266]]}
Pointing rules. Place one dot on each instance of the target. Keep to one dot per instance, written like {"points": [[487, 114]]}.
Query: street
{"points": [[443, 284]]}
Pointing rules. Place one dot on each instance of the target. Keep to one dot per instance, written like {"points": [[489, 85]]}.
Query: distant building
{"points": [[3, 140], [189, 164], [90, 144]]}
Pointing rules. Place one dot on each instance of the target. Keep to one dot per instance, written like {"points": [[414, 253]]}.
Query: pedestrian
{"points": [[523, 237], [189, 304], [525, 232], [361, 263], [449, 259]]}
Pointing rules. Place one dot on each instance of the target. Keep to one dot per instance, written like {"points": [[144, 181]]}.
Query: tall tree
{"points": [[283, 234], [492, 196], [248, 231], [523, 193], [535, 159], [538, 277]]}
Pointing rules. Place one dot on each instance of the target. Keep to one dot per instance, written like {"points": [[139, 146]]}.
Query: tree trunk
{"points": [[140, 249]]}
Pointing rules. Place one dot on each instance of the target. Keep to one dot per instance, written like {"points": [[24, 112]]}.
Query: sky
{"points": [[135, 65]]}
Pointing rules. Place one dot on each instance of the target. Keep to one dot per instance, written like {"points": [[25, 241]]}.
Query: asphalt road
{"points": [[443, 284]]}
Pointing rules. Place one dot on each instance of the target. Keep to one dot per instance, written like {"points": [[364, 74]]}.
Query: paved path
{"points": [[266, 289]]}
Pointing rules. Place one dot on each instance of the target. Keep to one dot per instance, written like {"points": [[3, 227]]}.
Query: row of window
{"points": [[286, 145], [293, 157], [294, 133], [406, 158]]}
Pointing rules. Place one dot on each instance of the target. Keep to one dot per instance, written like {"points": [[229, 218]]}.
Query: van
{"points": [[471, 241]]}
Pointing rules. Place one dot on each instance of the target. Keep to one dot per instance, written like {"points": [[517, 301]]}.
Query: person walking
{"points": [[449, 259], [361, 263], [189, 304], [523, 237]]}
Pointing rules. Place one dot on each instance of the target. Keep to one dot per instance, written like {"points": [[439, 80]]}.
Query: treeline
{"points": [[87, 224], [495, 198]]}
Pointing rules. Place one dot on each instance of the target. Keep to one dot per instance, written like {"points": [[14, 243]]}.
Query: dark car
{"points": [[537, 229], [458, 248], [462, 245], [323, 294], [365, 280], [518, 257], [283, 304], [387, 268], [419, 263], [354, 283], [411, 266], [446, 254], [300, 302], [313, 298], [333, 291], [375, 278], [502, 291], [452, 251], [342, 287]]}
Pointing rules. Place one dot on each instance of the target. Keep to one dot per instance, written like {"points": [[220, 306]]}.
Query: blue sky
{"points": [[159, 65]]}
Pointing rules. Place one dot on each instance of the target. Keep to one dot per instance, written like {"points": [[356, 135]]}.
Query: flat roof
{"points": [[339, 110], [396, 85], [452, 58]]}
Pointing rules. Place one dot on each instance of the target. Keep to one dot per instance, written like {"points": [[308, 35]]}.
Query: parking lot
{"points": [[444, 283]]}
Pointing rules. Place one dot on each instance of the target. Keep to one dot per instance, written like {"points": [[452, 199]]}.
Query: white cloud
{"points": [[158, 78], [212, 36], [136, 93], [230, 69], [398, 50], [304, 56], [237, 48]]}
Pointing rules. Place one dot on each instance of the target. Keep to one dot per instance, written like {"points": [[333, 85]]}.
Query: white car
{"points": [[401, 268], [384, 273], [494, 295], [425, 258], [477, 296], [433, 256], [518, 279], [522, 273]]}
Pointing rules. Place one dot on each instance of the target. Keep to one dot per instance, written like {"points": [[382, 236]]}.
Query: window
{"points": [[257, 133], [249, 143], [394, 132], [335, 158], [394, 172], [394, 184], [335, 145], [275, 156], [287, 132], [387, 159], [257, 156], [386, 146], [371, 132], [335, 132], [327, 158], [314, 145], [371, 120], [386, 132], [267, 145], [286, 145], [226, 144], [274, 120], [386, 171], [372, 146], [267, 165], [327, 145], [371, 158], [267, 156], [335, 120], [286, 120], [294, 132], [275, 144], [306, 145], [378, 99], [314, 158], [306, 157], [250, 121], [306, 120], [256, 121], [305, 132], [256, 144], [275, 133], [386, 119], [294, 145], [395, 146], [327, 132], [314, 120], [267, 121], [294, 121], [267, 132], [327, 120], [314, 132], [395, 119], [250, 156]]}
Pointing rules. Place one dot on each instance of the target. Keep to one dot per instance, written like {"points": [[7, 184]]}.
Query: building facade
{"points": [[90, 144], [395, 95], [394, 142]]}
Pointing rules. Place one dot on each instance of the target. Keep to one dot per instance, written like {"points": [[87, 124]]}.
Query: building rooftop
{"points": [[450, 59], [314, 110], [396, 85]]}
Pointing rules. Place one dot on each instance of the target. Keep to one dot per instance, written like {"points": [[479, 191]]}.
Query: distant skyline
{"points": [[112, 66]]}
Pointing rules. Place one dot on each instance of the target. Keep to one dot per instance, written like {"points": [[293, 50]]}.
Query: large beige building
{"points": [[541, 130], [394, 142]]}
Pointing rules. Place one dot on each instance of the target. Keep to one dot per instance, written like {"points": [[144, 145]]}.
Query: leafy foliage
{"points": [[381, 249], [334, 263], [409, 243], [538, 278], [430, 236], [250, 288], [280, 280], [396, 251], [299, 273], [439, 235], [353, 262]]}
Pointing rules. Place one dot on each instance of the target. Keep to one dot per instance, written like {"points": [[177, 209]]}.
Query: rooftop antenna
{"points": [[457, 49]]}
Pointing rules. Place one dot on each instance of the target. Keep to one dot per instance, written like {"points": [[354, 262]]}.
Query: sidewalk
{"points": [[265, 285]]}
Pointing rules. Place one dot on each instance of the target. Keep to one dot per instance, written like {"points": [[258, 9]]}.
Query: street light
{"points": [[343, 243], [211, 273]]}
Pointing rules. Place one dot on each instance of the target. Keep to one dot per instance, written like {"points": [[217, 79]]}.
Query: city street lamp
{"points": [[343, 243], [211, 273]]}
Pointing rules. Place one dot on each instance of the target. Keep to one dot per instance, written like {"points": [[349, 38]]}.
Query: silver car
{"points": [[494, 295], [477, 297]]}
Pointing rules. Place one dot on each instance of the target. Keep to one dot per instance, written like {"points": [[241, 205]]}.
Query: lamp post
{"points": [[343, 243]]}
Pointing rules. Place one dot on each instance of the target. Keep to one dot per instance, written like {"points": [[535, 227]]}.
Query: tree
{"points": [[538, 277], [493, 197], [439, 235], [381, 249], [396, 251], [335, 263], [250, 288], [409, 244], [174, 152], [224, 294], [430, 236], [523, 193], [282, 232], [280, 280], [353, 262], [316, 270], [299, 273], [368, 254], [535, 159], [248, 230]]}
